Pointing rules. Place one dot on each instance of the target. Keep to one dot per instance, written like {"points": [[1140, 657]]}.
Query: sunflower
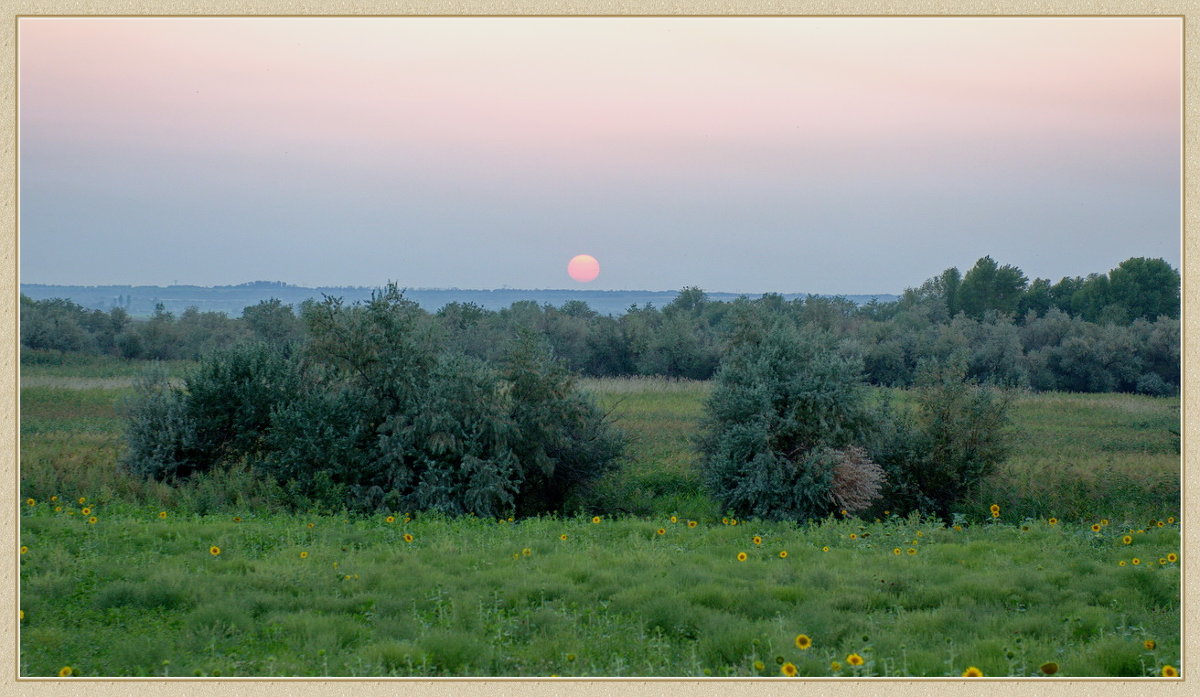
{"points": [[1095, 527], [783, 554], [1053, 521], [58, 509], [1162, 561], [1135, 561], [1128, 539], [912, 551], [674, 519], [1104, 522], [1169, 671], [1159, 524], [563, 537], [843, 511], [854, 536], [995, 514], [1149, 644], [570, 657], [835, 666], [958, 528], [691, 523], [1170, 520], [724, 521], [30, 502], [55, 498], [596, 519], [854, 659], [408, 537], [788, 669], [759, 665], [972, 672], [65, 672], [24, 549], [82, 500], [501, 521], [237, 519], [825, 548], [162, 514], [390, 519], [741, 556], [995, 508], [1121, 563], [756, 540], [1048, 668], [304, 555], [803, 642], [92, 520], [86, 511], [214, 550], [733, 521], [311, 525], [920, 534], [526, 552], [1172, 557], [661, 531], [897, 551]]}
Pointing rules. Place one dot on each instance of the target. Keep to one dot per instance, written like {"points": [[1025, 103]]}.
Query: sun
{"points": [[583, 268]]}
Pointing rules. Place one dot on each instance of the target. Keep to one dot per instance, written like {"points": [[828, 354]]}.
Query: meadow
{"points": [[1079, 575]]}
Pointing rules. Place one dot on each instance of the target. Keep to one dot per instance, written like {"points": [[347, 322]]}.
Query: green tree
{"points": [[1146, 288], [989, 286]]}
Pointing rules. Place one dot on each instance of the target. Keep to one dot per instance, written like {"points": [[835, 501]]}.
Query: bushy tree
{"points": [[371, 412], [782, 419]]}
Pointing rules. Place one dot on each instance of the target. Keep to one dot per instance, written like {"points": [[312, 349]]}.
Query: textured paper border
{"points": [[9, 249]]}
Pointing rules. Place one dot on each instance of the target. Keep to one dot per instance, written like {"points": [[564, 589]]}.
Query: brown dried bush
{"points": [[857, 482]]}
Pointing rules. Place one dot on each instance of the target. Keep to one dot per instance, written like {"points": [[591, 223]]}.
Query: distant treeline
{"points": [[1101, 333]]}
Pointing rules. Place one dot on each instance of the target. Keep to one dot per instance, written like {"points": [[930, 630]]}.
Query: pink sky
{"points": [[503, 113]]}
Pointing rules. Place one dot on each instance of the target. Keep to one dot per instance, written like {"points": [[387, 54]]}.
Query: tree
{"points": [[1146, 288], [782, 428], [989, 286]]}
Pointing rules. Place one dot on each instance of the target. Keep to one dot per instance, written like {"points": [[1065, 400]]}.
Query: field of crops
{"points": [[1079, 574]]}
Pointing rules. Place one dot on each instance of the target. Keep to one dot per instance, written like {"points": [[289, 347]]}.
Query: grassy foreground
{"points": [[139, 591]]}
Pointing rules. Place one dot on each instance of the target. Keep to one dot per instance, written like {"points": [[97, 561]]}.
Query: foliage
{"points": [[371, 413], [783, 408]]}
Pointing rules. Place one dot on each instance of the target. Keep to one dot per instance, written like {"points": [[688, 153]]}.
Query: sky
{"points": [[815, 155]]}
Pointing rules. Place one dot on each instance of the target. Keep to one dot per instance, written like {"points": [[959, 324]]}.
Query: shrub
{"points": [[778, 423], [956, 437], [372, 413]]}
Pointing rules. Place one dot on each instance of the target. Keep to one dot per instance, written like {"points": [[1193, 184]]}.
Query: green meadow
{"points": [[219, 578]]}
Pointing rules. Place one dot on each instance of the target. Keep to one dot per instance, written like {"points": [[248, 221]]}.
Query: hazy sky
{"points": [[837, 155]]}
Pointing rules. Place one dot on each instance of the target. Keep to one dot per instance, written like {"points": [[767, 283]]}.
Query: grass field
{"points": [[139, 591]]}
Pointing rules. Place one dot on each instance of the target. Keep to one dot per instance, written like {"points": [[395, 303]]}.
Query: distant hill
{"points": [[139, 301]]}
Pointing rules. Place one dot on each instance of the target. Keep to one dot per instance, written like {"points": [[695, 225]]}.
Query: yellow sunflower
{"points": [[596, 519], [390, 519], [1121, 563], [65, 672], [1149, 644], [408, 537], [661, 531], [526, 552], [691, 523], [86, 511], [674, 519], [1169, 671], [237, 519], [30, 502], [304, 555], [854, 659], [563, 537], [214, 550], [1128, 539], [995, 508], [1169, 520], [92, 520], [1095, 527], [825, 548], [162, 514], [912, 551], [756, 540], [1053, 521], [897, 551], [788, 669], [783, 554], [82, 500], [24, 549], [741, 556], [1135, 561], [1104, 522], [972, 672], [854, 536], [1172, 557], [803, 642]]}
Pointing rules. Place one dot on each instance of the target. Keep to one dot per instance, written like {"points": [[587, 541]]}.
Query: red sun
{"points": [[583, 268]]}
